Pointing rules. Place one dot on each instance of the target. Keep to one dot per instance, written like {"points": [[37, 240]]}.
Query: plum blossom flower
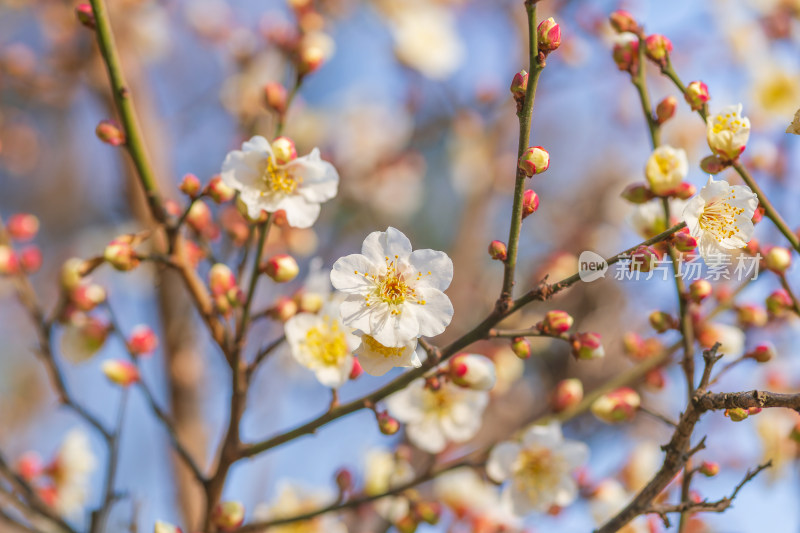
{"points": [[720, 216], [474, 499], [293, 500], [730, 338], [297, 187], [70, 471], [377, 359], [608, 499], [385, 470], [434, 417], [323, 344], [393, 294], [648, 218], [665, 169], [727, 132], [539, 468]]}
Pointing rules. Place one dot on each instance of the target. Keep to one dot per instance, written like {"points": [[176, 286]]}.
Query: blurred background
{"points": [[413, 109]]}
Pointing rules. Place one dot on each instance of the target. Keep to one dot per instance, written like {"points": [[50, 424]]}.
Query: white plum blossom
{"points": [[475, 499], [435, 417], [293, 500], [394, 294], [730, 338], [386, 470], [727, 132], [539, 468], [320, 342], [720, 216], [297, 187], [648, 218], [608, 499], [666, 168], [377, 359], [70, 471]]}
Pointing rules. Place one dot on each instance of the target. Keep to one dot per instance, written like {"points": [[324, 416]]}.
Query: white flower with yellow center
{"points": [[377, 359], [293, 500], [476, 499], [665, 169], [393, 294], [435, 417], [321, 343], [720, 216], [298, 186], [70, 471], [386, 470], [648, 218], [727, 132], [539, 468]]}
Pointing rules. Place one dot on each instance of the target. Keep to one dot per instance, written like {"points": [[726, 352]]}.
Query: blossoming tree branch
{"points": [[387, 305]]}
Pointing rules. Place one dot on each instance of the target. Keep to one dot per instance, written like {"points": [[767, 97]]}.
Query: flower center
{"points": [[437, 401], [728, 121], [393, 287], [666, 164], [326, 343], [377, 347], [719, 218], [279, 180], [537, 471]]}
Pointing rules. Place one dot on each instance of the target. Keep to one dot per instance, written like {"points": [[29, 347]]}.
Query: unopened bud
{"points": [[120, 372], [428, 512], [763, 353], [407, 524], [521, 347], [699, 290], [472, 371], [638, 193], [684, 242], [626, 52], [548, 34], [221, 279], [284, 150], [643, 259], [228, 516], [758, 214], [568, 392], [752, 315], [697, 95], [617, 406], [778, 302], [282, 268], [275, 97], [587, 346], [778, 259], [519, 85], [110, 132], [119, 253], [530, 203], [344, 480], [387, 424], [142, 341], [87, 297], [632, 343], [665, 109], [498, 251], [71, 272], [622, 21], [283, 309], [657, 48], [534, 160], [22, 227], [684, 190], [190, 185], [655, 379], [309, 302], [29, 466], [737, 414], [219, 191], [754, 410], [85, 15], [199, 217], [30, 259], [712, 164], [357, 369], [661, 321], [709, 468], [556, 322]]}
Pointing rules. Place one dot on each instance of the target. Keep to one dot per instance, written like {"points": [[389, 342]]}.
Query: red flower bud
{"points": [[521, 347], [549, 35], [190, 185], [622, 21], [568, 392], [697, 95], [534, 160], [275, 97], [665, 109], [530, 203], [110, 132], [638, 193], [498, 251], [22, 227], [85, 15]]}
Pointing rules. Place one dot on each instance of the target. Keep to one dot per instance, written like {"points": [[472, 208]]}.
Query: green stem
{"points": [[264, 228]]}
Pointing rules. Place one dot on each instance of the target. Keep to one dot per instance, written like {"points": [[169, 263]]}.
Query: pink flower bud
{"points": [[684, 190], [313, 51], [87, 297], [535, 160], [519, 86], [530, 203], [622, 22], [778, 302], [199, 218], [472, 371], [85, 15], [638, 193], [72, 272], [30, 259], [387, 424], [644, 259], [406, 524], [778, 259], [657, 48], [662, 322], [521, 347], [758, 214], [632, 343], [283, 310], [190, 185], [344, 480], [83, 337], [699, 290], [498, 251], [228, 516], [587, 346], [752, 316], [617, 406], [120, 254], [120, 372], [284, 150], [110, 132], [142, 341], [737, 414], [29, 466], [549, 35], [712, 164], [275, 97], [626, 53], [22, 227], [568, 392], [281, 268], [428, 512], [666, 108], [221, 279], [173, 208], [9, 262], [556, 322], [697, 95], [357, 369], [684, 242], [655, 379], [709, 468], [219, 191], [763, 353]]}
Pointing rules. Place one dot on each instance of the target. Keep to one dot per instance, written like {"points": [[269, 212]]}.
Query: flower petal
{"points": [[499, 467], [436, 268]]}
